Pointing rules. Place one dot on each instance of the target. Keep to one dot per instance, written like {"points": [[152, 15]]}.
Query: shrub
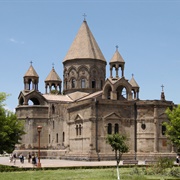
{"points": [[175, 172]]}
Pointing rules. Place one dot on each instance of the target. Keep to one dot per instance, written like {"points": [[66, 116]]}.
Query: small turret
{"points": [[53, 80], [117, 62], [31, 79], [135, 87]]}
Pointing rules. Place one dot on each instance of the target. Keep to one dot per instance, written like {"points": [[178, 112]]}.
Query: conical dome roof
{"points": [[31, 72], [133, 82], [84, 46], [117, 57], [53, 76]]}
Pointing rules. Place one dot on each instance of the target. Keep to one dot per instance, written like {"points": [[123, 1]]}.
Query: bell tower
{"points": [[31, 79], [53, 81], [117, 62]]}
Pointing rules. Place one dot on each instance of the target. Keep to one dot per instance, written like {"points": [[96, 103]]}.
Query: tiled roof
{"points": [[31, 72], [133, 82], [53, 76], [77, 95], [117, 57], [84, 46], [93, 95], [53, 97]]}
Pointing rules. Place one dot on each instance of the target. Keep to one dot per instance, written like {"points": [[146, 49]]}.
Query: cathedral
{"points": [[78, 111]]}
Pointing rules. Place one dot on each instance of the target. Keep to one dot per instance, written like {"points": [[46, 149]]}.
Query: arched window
{"points": [[29, 84], [33, 101], [83, 83], [116, 128], [163, 130], [49, 138], [53, 109], [21, 101], [63, 135], [121, 93], [77, 130], [93, 84], [73, 83], [109, 128], [80, 129], [57, 138]]}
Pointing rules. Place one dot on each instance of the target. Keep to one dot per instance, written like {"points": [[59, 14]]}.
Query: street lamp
{"points": [[39, 128]]}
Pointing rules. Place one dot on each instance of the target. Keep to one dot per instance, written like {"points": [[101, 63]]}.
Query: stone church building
{"points": [[79, 111]]}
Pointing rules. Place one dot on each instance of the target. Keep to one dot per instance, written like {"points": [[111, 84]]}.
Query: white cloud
{"points": [[16, 41], [13, 40]]}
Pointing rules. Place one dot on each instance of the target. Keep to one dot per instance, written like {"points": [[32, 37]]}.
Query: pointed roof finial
{"points": [[132, 75], [116, 47], [162, 93], [162, 87], [53, 65], [84, 16], [31, 63]]}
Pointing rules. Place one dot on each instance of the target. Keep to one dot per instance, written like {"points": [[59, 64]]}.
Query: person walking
{"points": [[21, 157], [14, 158], [177, 159], [29, 157], [34, 163]]}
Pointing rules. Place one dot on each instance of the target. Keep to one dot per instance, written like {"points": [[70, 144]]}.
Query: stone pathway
{"points": [[60, 163]]}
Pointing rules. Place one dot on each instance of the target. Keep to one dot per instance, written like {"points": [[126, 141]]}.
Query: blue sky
{"points": [[146, 31]]}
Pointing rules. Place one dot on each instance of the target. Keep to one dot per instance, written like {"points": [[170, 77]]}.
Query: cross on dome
{"points": [[84, 16], [162, 87], [53, 65]]}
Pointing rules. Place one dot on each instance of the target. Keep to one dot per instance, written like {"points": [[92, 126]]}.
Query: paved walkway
{"points": [[60, 163]]}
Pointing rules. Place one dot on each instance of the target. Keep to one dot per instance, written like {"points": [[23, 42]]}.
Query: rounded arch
{"points": [[93, 71], [83, 82], [122, 92], [21, 101], [123, 89], [107, 91], [71, 69], [83, 67], [53, 109], [33, 101]]}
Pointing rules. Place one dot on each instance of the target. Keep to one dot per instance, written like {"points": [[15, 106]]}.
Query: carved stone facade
{"points": [[75, 124]]}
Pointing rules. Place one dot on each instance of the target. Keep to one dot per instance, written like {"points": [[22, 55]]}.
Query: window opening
{"points": [[73, 83], [83, 83], [116, 128], [163, 130], [93, 84], [109, 130], [57, 138]]}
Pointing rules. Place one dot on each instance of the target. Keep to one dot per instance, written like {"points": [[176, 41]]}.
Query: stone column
{"points": [[114, 95], [117, 72], [111, 73]]}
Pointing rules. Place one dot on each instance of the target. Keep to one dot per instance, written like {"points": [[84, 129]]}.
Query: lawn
{"points": [[78, 174]]}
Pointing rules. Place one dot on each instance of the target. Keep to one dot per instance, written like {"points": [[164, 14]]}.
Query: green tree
{"points": [[118, 144], [11, 129], [173, 126]]}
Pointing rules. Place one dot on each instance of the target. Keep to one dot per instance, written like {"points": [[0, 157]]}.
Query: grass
{"points": [[78, 174]]}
